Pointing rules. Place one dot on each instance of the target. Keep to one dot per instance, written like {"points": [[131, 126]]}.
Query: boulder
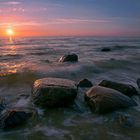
{"points": [[13, 117], [85, 83], [17, 112], [106, 49], [138, 82], [103, 100], [54, 92], [126, 89], [69, 58]]}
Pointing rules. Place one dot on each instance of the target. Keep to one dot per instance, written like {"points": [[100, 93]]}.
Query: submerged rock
{"points": [[126, 89], [85, 83], [124, 120], [138, 82], [54, 92], [17, 112], [69, 58], [103, 100], [106, 49]]}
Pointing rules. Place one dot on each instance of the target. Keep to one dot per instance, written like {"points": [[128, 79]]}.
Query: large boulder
{"points": [[17, 112], [138, 82], [85, 83], [69, 58], [103, 100], [126, 89], [54, 92]]}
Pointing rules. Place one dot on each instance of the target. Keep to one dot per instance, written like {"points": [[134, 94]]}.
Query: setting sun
{"points": [[10, 32]]}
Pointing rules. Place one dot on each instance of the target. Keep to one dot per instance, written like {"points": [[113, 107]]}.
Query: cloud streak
{"points": [[54, 21], [10, 3], [29, 23], [76, 21]]}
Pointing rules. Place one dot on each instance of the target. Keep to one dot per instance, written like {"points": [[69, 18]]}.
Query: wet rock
{"points": [[126, 89], [85, 83], [17, 112], [13, 117], [54, 92], [69, 58], [106, 49], [138, 82], [103, 100]]}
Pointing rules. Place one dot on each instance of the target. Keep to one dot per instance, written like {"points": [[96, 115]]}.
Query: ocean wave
{"points": [[11, 57]]}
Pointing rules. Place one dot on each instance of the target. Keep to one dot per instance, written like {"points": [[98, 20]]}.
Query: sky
{"points": [[70, 17]]}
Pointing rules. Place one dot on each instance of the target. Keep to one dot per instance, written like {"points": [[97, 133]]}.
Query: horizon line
{"points": [[131, 36]]}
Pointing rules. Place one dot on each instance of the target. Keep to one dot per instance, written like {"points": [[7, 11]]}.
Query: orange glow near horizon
{"points": [[29, 18], [22, 29], [10, 31]]}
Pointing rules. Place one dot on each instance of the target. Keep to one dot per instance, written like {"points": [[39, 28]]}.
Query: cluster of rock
{"points": [[107, 96], [56, 92], [47, 92], [103, 100]]}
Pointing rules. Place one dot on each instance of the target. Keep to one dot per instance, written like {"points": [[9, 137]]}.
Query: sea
{"points": [[24, 60]]}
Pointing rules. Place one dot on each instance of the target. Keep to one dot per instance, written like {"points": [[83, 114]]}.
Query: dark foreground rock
{"points": [[138, 82], [104, 100], [85, 83], [106, 49], [126, 89], [14, 117], [69, 58], [54, 92], [17, 112]]}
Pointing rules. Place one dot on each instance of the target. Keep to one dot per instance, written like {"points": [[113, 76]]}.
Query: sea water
{"points": [[23, 60]]}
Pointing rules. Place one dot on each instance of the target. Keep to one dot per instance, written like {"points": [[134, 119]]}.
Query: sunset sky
{"points": [[70, 17]]}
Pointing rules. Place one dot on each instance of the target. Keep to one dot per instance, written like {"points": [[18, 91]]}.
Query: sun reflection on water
{"points": [[10, 40], [9, 61], [13, 50], [10, 68]]}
